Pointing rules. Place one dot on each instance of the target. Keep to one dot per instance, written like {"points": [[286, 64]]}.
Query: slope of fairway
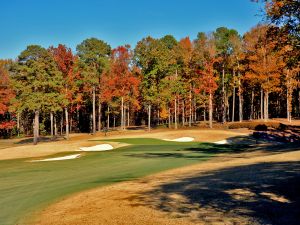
{"points": [[26, 186], [248, 188]]}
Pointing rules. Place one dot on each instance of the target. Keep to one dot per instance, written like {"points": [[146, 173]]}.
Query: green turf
{"points": [[26, 187]]}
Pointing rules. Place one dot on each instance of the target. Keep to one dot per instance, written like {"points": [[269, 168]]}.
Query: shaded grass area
{"points": [[26, 187]]}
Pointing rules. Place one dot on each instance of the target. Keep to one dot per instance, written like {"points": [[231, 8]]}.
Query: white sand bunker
{"points": [[223, 142], [58, 158], [182, 139], [97, 148]]}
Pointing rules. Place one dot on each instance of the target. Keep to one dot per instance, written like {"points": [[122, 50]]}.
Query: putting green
{"points": [[26, 187]]}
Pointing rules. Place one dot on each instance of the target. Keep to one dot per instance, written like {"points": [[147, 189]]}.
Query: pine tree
{"points": [[93, 55], [37, 83]]}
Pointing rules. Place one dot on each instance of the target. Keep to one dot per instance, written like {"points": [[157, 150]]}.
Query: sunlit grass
{"points": [[27, 186]]}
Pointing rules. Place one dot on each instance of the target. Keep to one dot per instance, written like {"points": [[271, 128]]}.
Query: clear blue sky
{"points": [[50, 22]]}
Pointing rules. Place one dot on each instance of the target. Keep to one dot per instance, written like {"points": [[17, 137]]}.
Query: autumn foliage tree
{"points": [[207, 73], [224, 48], [184, 53], [67, 63], [6, 94], [264, 65], [123, 82], [154, 58]]}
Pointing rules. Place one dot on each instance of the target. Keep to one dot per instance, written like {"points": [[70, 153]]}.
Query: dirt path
{"points": [[15, 151], [249, 188]]}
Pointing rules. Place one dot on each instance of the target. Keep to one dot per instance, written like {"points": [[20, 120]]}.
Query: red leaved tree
{"points": [[6, 94], [207, 74], [264, 64], [67, 64], [123, 80]]}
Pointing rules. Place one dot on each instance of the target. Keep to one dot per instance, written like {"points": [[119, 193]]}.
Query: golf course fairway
{"points": [[27, 187]]}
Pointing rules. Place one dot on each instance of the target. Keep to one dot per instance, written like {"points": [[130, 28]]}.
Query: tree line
{"points": [[220, 76]]}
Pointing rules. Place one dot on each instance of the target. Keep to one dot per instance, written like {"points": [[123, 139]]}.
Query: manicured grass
{"points": [[148, 141], [27, 186]]}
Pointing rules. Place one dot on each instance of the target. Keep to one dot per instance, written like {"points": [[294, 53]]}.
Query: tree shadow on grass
{"points": [[243, 144], [217, 149], [166, 155], [184, 151], [264, 193], [240, 144]]}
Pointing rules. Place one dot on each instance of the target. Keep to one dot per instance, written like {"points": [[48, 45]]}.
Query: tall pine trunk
{"points": [[288, 105], [67, 123], [190, 116], [289, 98], [233, 99], [91, 123], [233, 104], [183, 114], [55, 126], [227, 106], [149, 117], [175, 112], [261, 104], [61, 123], [299, 102], [210, 108], [36, 127], [178, 110], [169, 117], [158, 116], [128, 116], [223, 96], [71, 124], [240, 101], [18, 123], [77, 115], [94, 110], [51, 123], [252, 105], [125, 112], [108, 117], [195, 111], [99, 115], [266, 105], [122, 113]]}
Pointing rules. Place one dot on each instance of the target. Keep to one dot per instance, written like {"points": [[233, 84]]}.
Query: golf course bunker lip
{"points": [[223, 142], [182, 139], [58, 158], [97, 148]]}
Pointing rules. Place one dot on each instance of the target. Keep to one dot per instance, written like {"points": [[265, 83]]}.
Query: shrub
{"points": [[261, 127], [255, 125]]}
